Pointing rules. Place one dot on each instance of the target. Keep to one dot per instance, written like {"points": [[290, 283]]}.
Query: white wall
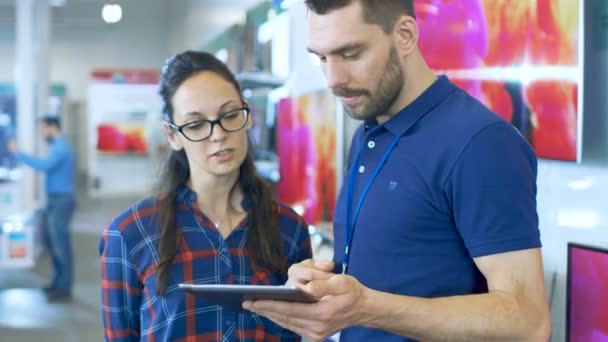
{"points": [[569, 215], [138, 41], [82, 42], [195, 22], [7, 63], [7, 41]]}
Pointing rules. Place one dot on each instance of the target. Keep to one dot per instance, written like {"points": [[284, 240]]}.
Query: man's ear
{"points": [[172, 137], [406, 35]]}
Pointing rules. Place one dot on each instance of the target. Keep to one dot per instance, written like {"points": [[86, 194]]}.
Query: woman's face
{"points": [[207, 96]]}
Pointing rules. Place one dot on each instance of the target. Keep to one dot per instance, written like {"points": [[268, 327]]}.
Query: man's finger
{"points": [[335, 285], [325, 265], [310, 328], [304, 274], [301, 310]]}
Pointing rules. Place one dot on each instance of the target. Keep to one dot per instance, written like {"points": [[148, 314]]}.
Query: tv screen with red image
{"points": [[587, 294], [306, 146], [521, 58]]}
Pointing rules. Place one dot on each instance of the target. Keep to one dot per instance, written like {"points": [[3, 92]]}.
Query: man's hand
{"points": [[309, 270], [12, 146], [339, 306]]}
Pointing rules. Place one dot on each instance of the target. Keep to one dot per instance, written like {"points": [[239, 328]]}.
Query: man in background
{"points": [[58, 167]]}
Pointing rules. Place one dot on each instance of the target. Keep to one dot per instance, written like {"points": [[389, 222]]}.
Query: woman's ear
{"points": [[172, 137], [249, 117]]}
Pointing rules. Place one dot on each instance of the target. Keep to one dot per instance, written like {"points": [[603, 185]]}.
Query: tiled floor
{"points": [[25, 314]]}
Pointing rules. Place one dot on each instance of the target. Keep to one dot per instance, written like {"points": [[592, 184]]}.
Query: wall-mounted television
{"points": [[523, 59], [587, 294], [306, 145]]}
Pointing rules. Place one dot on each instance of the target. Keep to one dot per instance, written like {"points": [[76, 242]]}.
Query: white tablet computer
{"points": [[232, 296]]}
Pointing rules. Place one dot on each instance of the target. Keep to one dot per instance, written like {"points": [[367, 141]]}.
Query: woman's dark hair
{"points": [[263, 235]]}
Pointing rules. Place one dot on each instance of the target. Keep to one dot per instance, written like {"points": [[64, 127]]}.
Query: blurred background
{"points": [[542, 65]]}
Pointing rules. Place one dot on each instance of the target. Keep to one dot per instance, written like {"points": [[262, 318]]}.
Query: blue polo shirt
{"points": [[460, 183]]}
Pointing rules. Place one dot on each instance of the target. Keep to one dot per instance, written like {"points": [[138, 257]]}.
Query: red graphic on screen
{"points": [[112, 138], [519, 58], [588, 296], [306, 136]]}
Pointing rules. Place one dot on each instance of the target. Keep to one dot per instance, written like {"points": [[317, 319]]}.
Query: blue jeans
{"points": [[56, 232]]}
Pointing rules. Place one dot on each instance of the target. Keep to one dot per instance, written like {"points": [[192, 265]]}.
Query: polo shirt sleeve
{"points": [[491, 191]]}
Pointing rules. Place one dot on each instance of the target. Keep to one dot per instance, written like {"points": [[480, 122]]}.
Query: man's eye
{"points": [[351, 55]]}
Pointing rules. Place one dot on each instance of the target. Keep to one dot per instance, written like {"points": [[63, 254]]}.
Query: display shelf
{"points": [[19, 242]]}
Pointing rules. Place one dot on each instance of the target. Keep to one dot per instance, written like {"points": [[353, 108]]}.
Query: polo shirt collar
{"points": [[423, 104]]}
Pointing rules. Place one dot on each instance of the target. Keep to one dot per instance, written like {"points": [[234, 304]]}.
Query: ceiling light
{"points": [[111, 13]]}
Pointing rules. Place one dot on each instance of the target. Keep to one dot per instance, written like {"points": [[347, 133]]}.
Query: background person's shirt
{"points": [[58, 166]]}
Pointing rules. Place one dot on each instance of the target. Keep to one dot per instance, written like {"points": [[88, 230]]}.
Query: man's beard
{"points": [[389, 88]]}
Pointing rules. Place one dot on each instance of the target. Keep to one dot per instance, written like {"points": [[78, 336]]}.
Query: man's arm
{"points": [[515, 309], [53, 159]]}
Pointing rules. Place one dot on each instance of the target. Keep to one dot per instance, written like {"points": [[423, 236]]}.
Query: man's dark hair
{"points": [[51, 121], [376, 12]]}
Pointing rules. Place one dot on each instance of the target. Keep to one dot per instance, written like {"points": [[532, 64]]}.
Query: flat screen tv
{"points": [[587, 294], [522, 59]]}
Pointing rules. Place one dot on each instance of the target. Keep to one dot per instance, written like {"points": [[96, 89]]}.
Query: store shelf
{"points": [[252, 80]]}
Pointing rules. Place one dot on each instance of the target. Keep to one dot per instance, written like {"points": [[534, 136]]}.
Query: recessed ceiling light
{"points": [[111, 13]]}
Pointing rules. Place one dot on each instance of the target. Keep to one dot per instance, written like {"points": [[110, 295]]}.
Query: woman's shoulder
{"points": [[288, 215], [138, 219]]}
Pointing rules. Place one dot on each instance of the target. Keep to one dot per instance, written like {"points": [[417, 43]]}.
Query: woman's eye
{"points": [[196, 125], [230, 116]]}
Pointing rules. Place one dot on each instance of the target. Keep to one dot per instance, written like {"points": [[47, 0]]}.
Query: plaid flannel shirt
{"points": [[133, 312]]}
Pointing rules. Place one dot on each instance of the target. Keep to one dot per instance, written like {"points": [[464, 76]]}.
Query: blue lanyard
{"points": [[350, 227]]}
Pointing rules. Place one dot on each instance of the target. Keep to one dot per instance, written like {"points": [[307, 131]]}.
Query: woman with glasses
{"points": [[213, 222]]}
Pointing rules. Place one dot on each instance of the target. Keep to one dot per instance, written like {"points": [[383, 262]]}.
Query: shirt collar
{"points": [[188, 196], [423, 104]]}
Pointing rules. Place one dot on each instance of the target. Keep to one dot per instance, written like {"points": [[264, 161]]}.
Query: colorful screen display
{"points": [[306, 146], [587, 294], [519, 58]]}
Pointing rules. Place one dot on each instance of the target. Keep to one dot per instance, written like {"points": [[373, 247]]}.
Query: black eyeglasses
{"points": [[200, 130]]}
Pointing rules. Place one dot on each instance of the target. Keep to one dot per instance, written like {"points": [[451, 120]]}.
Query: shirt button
{"points": [[371, 144], [361, 169]]}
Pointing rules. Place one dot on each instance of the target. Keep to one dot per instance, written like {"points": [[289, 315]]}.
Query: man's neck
{"points": [[415, 83]]}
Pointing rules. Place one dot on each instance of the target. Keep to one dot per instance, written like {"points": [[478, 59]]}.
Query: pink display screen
{"points": [[306, 146], [587, 294], [520, 58]]}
